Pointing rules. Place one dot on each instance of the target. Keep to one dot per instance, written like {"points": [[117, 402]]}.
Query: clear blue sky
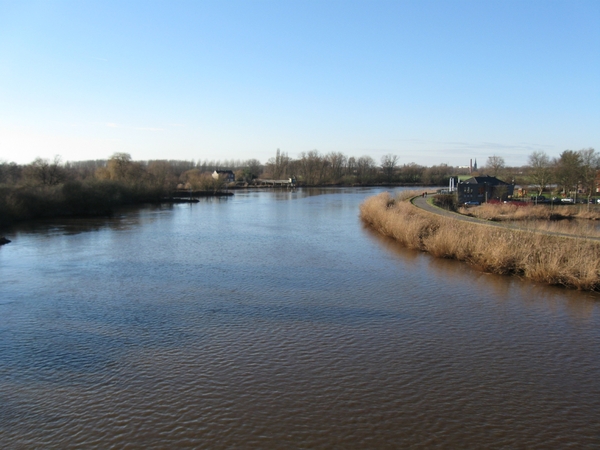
{"points": [[430, 81]]}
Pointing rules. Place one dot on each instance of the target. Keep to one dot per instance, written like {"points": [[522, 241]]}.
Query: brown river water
{"points": [[276, 320]]}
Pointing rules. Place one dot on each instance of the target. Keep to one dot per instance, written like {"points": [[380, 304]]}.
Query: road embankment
{"points": [[542, 257]]}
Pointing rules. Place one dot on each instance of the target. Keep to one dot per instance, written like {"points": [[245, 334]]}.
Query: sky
{"points": [[429, 81]]}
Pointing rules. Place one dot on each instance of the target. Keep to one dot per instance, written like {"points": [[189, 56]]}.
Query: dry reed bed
{"points": [[579, 220], [550, 259], [577, 228], [502, 212]]}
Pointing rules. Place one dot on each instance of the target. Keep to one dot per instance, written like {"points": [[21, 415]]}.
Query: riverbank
{"points": [[84, 199], [100, 198], [565, 261]]}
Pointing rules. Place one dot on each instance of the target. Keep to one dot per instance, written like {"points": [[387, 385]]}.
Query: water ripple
{"points": [[292, 328]]}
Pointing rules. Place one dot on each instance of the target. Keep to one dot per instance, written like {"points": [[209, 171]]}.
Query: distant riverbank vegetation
{"points": [[567, 261], [46, 188]]}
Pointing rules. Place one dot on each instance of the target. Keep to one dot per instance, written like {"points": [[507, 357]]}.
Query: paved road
{"points": [[421, 202]]}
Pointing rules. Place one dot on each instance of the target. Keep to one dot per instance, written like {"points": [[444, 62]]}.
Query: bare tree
{"points": [[351, 166], [45, 172], [412, 173], [312, 167], [495, 164], [568, 170], [121, 168], [388, 165], [161, 175], [365, 168], [118, 166], [438, 175], [337, 161], [252, 168], [10, 173], [541, 170], [590, 163], [279, 166]]}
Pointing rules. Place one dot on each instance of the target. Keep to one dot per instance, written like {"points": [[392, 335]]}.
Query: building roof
{"points": [[486, 179]]}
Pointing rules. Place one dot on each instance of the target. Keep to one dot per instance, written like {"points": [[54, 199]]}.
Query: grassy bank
{"points": [[550, 259]]}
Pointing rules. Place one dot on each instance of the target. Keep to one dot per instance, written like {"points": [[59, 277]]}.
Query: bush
{"points": [[446, 201]]}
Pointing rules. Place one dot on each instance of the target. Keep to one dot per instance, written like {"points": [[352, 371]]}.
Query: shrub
{"points": [[446, 201]]}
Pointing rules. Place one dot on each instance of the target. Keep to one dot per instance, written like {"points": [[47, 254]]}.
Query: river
{"points": [[276, 320]]}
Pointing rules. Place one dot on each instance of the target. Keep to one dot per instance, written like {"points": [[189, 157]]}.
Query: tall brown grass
{"points": [[573, 220], [503, 211], [546, 258], [576, 227]]}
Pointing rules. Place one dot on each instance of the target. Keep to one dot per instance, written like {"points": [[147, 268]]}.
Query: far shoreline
{"points": [[91, 203]]}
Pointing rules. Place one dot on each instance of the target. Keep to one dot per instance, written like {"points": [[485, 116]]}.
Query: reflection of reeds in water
{"points": [[551, 259]]}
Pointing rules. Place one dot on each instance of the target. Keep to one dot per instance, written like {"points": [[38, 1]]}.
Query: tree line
{"points": [[310, 168], [53, 187], [571, 172], [314, 169]]}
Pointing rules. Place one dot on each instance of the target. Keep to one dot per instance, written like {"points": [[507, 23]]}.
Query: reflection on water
{"points": [[581, 304], [122, 219], [274, 319]]}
